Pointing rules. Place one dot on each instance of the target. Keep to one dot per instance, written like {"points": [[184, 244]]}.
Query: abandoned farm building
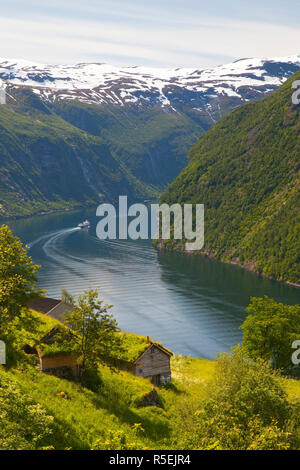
{"points": [[145, 358]]}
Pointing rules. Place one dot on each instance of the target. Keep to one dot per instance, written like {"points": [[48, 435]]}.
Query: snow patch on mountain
{"points": [[103, 83]]}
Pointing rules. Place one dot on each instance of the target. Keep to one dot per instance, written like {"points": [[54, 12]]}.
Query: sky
{"points": [[156, 33]]}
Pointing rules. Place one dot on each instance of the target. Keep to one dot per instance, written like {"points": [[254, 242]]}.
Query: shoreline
{"points": [[42, 213], [160, 247], [79, 207]]}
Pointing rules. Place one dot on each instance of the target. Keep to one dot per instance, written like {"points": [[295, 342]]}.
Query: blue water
{"points": [[193, 305]]}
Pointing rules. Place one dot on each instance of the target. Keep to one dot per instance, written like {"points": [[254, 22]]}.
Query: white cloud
{"points": [[196, 42]]}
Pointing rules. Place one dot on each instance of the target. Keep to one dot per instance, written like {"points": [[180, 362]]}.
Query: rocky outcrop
{"points": [[151, 399]]}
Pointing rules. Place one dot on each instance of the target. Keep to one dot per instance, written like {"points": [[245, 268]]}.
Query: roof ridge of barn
{"points": [[57, 328], [46, 304], [158, 346]]}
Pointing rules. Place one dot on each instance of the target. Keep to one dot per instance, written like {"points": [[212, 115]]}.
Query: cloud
{"points": [[195, 42]]}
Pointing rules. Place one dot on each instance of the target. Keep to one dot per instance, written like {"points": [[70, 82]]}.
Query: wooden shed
{"points": [[143, 357], [63, 365], [56, 360], [154, 363]]}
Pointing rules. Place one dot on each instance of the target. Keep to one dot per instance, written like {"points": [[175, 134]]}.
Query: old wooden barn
{"points": [[154, 363]]}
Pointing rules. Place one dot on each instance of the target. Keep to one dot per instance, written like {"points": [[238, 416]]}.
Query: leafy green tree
{"points": [[246, 408], [18, 277], [270, 330], [67, 297], [95, 329]]}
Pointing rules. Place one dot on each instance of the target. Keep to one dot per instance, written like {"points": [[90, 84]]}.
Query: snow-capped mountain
{"points": [[241, 81]]}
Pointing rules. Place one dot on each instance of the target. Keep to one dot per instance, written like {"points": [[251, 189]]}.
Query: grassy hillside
{"points": [[112, 416], [245, 170], [82, 416], [108, 412]]}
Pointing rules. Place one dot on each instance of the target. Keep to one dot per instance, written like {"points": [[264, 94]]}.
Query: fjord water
{"points": [[193, 305]]}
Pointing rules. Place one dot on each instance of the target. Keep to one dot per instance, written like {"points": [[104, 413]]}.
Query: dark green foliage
{"points": [[270, 330], [17, 286], [245, 170]]}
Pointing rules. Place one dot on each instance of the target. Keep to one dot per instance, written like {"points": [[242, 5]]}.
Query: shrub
{"points": [[24, 424]]}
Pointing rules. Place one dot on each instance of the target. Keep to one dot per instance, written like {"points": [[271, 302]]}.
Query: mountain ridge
{"points": [[123, 85]]}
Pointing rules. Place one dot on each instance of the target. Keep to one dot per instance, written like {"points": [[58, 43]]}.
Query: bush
{"points": [[246, 409], [24, 424], [118, 440]]}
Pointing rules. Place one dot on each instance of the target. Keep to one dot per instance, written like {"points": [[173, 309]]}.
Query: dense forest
{"points": [[245, 170]]}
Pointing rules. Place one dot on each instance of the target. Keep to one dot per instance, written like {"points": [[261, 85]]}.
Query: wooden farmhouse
{"points": [[145, 358], [62, 365], [59, 361]]}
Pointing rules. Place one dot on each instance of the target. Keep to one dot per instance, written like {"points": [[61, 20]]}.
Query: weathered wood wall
{"points": [[62, 360], [154, 362]]}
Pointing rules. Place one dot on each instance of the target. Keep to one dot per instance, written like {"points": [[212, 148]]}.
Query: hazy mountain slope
{"points": [[245, 170], [46, 163], [150, 142]]}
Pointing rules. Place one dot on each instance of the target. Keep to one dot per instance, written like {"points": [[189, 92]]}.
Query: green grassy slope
{"points": [[245, 170], [109, 414], [82, 416]]}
